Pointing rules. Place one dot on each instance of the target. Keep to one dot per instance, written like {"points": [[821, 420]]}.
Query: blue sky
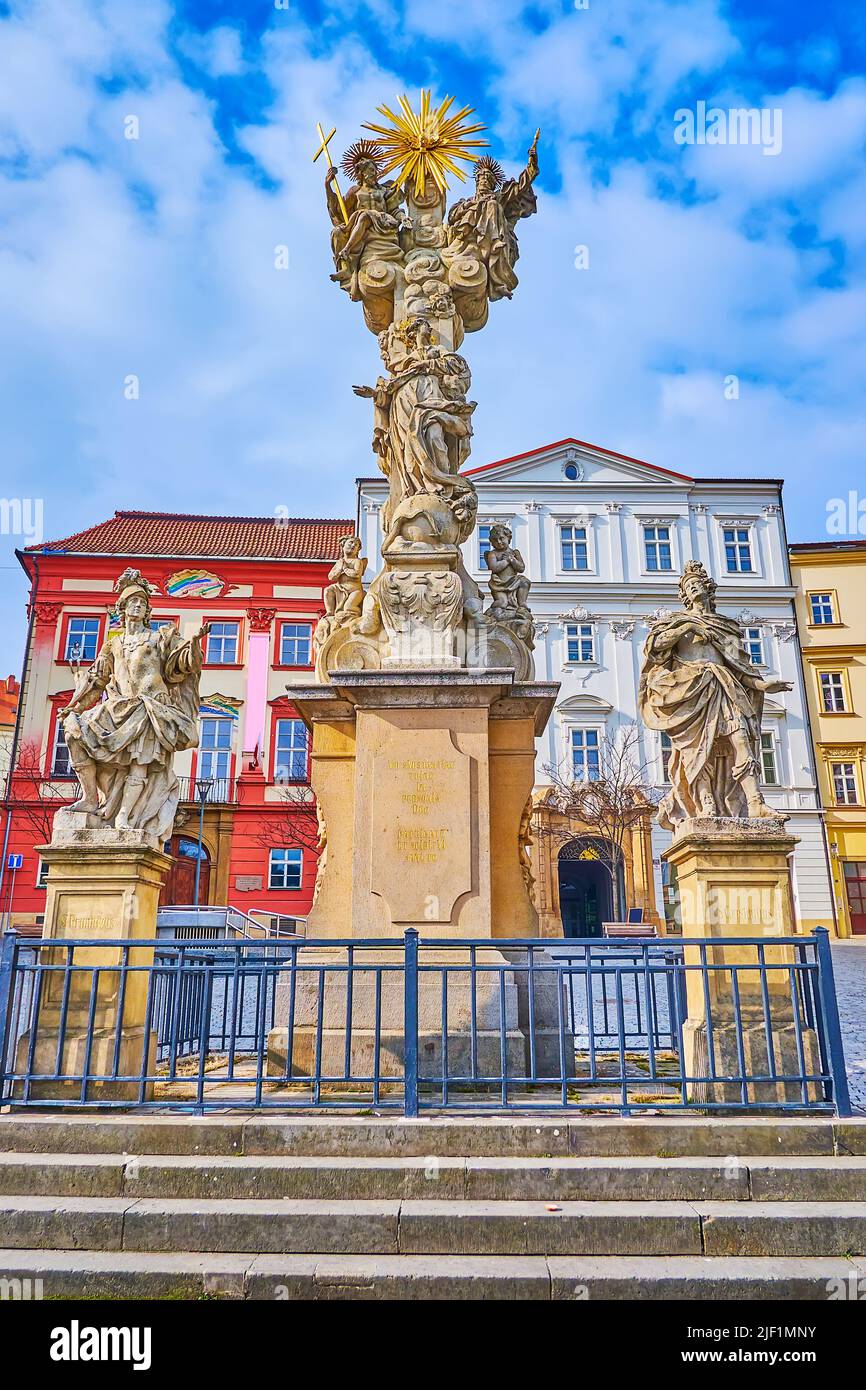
{"points": [[155, 257]]}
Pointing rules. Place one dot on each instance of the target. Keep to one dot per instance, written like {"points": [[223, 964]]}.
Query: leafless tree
{"points": [[27, 798], [611, 804], [296, 826]]}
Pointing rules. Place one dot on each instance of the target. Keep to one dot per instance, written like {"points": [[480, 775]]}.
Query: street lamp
{"points": [[202, 787]]}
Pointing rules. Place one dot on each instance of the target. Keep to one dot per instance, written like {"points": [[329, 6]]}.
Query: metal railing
{"points": [[219, 790], [405, 1026]]}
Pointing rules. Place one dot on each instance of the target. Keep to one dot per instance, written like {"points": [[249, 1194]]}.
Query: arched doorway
{"points": [[179, 887], [585, 888]]}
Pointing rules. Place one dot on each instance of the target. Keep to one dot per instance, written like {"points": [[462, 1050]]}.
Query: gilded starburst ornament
{"points": [[424, 147]]}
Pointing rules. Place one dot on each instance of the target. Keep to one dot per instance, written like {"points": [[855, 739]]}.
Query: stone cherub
{"points": [[482, 226], [344, 595], [135, 707], [698, 686], [509, 587], [376, 218]]}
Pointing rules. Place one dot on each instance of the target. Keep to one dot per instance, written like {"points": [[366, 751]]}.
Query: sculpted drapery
{"points": [[698, 686], [136, 707]]}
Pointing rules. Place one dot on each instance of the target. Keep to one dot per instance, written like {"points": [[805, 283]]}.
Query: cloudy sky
{"points": [[154, 257]]}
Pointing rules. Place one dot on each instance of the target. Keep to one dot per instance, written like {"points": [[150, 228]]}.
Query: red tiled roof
{"points": [[176, 535]]}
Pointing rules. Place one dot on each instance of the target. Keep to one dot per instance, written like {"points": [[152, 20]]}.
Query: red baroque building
{"points": [[259, 582]]}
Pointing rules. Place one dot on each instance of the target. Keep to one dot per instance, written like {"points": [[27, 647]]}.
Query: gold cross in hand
{"points": [[323, 149]]}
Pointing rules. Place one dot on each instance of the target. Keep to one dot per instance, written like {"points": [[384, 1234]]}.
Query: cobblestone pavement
{"points": [[849, 967]]}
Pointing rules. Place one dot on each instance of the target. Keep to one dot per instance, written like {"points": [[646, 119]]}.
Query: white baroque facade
{"points": [[605, 539]]}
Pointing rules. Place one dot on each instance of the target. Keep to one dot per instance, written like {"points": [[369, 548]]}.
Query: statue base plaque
{"points": [[422, 779], [734, 882], [103, 885]]}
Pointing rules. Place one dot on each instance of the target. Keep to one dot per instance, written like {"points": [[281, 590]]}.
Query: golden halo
{"points": [[357, 154], [493, 167], [425, 146]]}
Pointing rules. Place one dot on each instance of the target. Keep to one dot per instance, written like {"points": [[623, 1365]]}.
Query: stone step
{"points": [[557, 1179], [66, 1274], [290, 1226], [445, 1136]]}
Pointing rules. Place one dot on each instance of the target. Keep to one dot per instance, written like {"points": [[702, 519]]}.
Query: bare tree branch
{"points": [[610, 805]]}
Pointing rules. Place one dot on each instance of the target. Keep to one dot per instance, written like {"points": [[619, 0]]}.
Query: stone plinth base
{"points": [[422, 779], [490, 1003], [103, 886], [74, 1060], [734, 882]]}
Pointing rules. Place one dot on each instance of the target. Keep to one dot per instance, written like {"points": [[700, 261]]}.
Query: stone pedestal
{"points": [[734, 881], [102, 885], [422, 778]]}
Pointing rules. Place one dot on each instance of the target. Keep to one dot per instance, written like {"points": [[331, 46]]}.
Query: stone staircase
{"points": [[276, 1207]]}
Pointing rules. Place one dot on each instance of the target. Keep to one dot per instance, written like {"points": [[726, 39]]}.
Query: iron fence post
{"points": [[832, 1026], [410, 1024], [7, 956]]}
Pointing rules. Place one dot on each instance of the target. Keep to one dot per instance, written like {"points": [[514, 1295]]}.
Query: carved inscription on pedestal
{"points": [[422, 850]]}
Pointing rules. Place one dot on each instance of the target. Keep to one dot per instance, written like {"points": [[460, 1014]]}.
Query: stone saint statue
{"points": [[483, 225], [136, 706], [375, 220], [698, 686]]}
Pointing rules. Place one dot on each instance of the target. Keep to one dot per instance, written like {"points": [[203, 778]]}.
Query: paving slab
{"points": [[280, 1227], [784, 1228], [533, 1228], [695, 1279]]}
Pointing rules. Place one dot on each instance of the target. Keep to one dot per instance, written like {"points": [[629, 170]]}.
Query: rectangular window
{"points": [[215, 751], [845, 784], [222, 644], [483, 545], [157, 623], [833, 692], [585, 754], [657, 548], [82, 639], [295, 641], [285, 868], [754, 640], [769, 766], [42, 875], [60, 762], [580, 642], [738, 550], [821, 609], [667, 749], [290, 751], [574, 547]]}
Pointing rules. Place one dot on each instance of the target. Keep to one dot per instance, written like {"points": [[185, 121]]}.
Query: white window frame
{"points": [[41, 872], [296, 623], [69, 653], [483, 545], [218, 749], [297, 858], [58, 735], [770, 745], [581, 633], [586, 520], [842, 688], [830, 596], [750, 526], [292, 750], [854, 779], [222, 638], [760, 640], [644, 523], [583, 729]]}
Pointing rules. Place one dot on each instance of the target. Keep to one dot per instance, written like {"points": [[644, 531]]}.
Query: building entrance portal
{"points": [[585, 890]]}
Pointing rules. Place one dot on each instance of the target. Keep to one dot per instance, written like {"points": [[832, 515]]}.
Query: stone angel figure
{"points": [[482, 226], [376, 218], [509, 587], [698, 686], [135, 707], [344, 595]]}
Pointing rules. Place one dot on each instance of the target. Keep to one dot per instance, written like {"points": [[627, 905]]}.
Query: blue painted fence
{"points": [[411, 1025]]}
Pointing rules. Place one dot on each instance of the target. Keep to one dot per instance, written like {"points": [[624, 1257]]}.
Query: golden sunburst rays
{"points": [[425, 147]]}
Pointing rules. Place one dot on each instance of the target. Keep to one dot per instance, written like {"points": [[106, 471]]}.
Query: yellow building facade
{"points": [[831, 615]]}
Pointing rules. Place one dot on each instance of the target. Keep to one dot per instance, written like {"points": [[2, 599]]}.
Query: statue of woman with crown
{"points": [[135, 707]]}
